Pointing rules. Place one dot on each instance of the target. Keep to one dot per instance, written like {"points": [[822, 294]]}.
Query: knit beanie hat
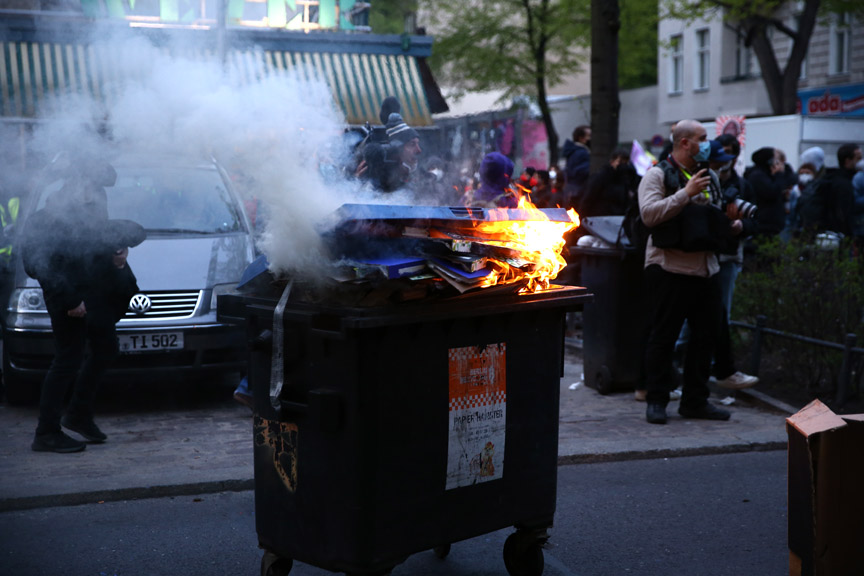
{"points": [[398, 132], [763, 156], [496, 170], [814, 156]]}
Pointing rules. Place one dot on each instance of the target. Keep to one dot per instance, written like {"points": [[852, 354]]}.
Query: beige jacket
{"points": [[655, 208]]}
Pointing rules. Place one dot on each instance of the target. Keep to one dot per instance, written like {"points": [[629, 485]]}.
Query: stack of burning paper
{"points": [[467, 248]]}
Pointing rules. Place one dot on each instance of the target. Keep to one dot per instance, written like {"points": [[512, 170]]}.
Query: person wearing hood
{"points": [[577, 155], [78, 256], [768, 180], [496, 172]]}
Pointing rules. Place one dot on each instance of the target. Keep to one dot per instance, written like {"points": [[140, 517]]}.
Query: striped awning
{"points": [[32, 74]]}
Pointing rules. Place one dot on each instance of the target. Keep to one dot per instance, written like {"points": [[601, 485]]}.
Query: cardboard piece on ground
{"points": [[826, 502]]}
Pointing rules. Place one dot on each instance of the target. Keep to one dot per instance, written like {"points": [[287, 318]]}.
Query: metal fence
{"points": [[849, 368]]}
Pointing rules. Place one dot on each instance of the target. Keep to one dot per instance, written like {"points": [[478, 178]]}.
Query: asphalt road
{"points": [[718, 515]]}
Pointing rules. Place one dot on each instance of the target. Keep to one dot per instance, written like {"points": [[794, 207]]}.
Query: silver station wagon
{"points": [[199, 241]]}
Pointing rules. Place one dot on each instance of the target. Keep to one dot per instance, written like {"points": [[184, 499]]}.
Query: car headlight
{"points": [[27, 301], [220, 289]]}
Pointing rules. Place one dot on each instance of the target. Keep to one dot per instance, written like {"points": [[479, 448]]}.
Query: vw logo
{"points": [[139, 303]]}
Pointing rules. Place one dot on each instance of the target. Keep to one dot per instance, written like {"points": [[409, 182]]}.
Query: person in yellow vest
{"points": [[8, 217]]}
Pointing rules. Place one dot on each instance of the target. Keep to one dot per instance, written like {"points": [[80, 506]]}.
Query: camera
{"points": [[745, 209]]}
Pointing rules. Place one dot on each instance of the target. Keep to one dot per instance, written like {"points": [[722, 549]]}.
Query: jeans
{"points": [[675, 298], [76, 365], [724, 363]]}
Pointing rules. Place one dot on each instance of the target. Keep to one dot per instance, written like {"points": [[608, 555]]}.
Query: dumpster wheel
{"points": [[523, 553], [603, 382], [275, 565]]}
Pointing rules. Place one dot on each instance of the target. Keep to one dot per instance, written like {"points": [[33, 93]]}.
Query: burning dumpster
{"points": [[387, 423]]}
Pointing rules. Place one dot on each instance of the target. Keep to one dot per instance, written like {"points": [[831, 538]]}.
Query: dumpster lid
{"points": [[609, 229]]}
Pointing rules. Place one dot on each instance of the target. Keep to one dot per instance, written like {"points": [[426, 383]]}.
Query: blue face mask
{"points": [[704, 152]]}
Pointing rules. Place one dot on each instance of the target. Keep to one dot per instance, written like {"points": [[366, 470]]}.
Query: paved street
{"points": [[715, 515], [166, 440]]}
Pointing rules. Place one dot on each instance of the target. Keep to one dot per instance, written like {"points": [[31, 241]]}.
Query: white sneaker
{"points": [[639, 395], [737, 381], [675, 394]]}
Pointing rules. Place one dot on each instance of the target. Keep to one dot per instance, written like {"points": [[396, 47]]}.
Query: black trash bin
{"points": [[614, 323], [388, 431]]}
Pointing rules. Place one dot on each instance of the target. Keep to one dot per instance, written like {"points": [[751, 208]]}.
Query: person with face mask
{"points": [[803, 188], [681, 282], [768, 180]]}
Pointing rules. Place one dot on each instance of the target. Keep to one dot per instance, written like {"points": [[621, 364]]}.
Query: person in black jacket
{"points": [[769, 194], [611, 190], [577, 154], [79, 256]]}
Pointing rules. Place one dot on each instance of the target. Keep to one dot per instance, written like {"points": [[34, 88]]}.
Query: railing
{"points": [[847, 368]]}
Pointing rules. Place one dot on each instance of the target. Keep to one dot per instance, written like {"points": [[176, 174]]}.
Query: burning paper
{"points": [[469, 248]]}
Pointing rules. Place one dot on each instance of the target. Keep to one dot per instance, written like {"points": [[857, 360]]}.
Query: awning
{"points": [[32, 73]]}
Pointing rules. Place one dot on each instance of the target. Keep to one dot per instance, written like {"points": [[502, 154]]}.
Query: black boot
{"points": [[86, 427], [656, 413]]}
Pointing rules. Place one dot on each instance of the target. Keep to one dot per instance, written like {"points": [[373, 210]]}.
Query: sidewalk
{"points": [[199, 451]]}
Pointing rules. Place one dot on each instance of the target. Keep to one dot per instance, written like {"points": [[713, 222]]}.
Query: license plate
{"points": [[153, 342]]}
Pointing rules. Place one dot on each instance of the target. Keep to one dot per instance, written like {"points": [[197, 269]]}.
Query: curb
{"points": [[670, 453], [100, 496]]}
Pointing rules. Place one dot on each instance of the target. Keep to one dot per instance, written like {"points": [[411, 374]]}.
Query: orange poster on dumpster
{"points": [[478, 414]]}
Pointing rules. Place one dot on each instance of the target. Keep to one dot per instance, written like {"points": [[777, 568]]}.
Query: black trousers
{"points": [[674, 298], [83, 348]]}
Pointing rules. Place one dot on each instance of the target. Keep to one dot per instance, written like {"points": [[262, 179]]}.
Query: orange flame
{"points": [[537, 245]]}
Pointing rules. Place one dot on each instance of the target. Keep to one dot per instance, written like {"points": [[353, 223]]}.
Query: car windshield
{"points": [[167, 199]]}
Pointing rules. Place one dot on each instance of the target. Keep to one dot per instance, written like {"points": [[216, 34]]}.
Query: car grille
{"points": [[168, 305]]}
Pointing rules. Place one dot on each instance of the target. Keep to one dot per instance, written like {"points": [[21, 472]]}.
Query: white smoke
{"points": [[274, 131]]}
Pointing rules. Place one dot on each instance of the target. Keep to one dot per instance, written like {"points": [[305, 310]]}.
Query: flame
{"points": [[538, 243]]}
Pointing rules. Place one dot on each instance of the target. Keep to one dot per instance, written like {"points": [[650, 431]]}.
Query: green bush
{"points": [[806, 290]]}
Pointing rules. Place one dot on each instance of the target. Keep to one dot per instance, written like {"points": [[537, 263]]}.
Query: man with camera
{"points": [[680, 201]]}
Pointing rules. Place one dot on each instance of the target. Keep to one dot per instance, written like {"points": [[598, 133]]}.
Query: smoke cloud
{"points": [[273, 132]]}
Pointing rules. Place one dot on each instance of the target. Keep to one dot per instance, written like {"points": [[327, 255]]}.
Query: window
{"points": [[703, 59], [743, 57], [840, 44], [676, 65]]}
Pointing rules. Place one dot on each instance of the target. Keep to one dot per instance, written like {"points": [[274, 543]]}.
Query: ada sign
{"points": [[832, 101]]}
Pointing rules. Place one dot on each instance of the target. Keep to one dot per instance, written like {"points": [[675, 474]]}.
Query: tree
{"points": [[519, 46], [637, 53], [388, 16], [605, 104], [753, 21]]}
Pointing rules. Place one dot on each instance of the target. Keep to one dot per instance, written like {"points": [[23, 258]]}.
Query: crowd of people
{"points": [[690, 277], [699, 217]]}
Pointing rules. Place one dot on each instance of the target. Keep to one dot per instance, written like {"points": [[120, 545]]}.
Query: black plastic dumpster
{"points": [[614, 322], [384, 432]]}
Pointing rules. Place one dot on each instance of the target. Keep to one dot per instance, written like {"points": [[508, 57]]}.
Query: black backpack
{"points": [[636, 230]]}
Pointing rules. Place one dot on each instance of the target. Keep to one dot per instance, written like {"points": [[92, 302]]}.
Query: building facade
{"points": [[705, 70]]}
